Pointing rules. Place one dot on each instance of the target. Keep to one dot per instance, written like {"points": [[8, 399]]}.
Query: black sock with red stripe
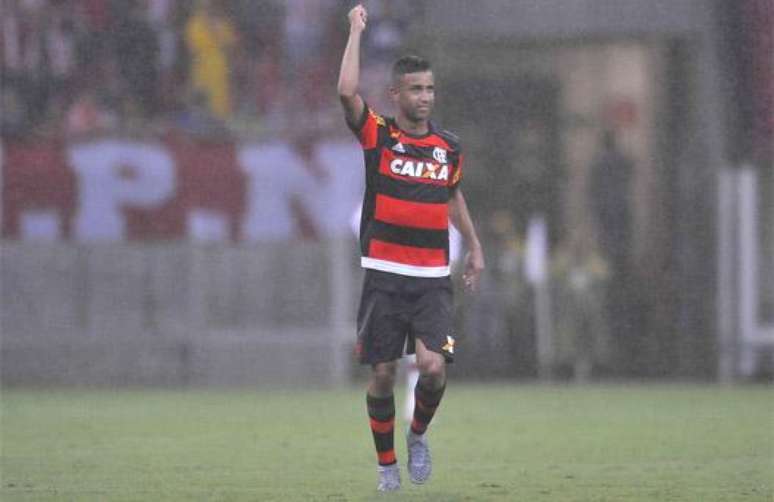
{"points": [[381, 411], [426, 401]]}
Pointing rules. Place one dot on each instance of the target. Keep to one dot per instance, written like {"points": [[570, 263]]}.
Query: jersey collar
{"points": [[430, 129]]}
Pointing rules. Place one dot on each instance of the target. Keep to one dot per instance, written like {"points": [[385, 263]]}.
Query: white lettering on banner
{"points": [[274, 177], [279, 186], [114, 175], [279, 193], [338, 195]]}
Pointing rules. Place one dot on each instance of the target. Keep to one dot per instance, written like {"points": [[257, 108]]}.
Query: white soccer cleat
{"points": [[420, 464], [389, 478]]}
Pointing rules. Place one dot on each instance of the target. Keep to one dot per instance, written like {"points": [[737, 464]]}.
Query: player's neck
{"points": [[415, 128]]}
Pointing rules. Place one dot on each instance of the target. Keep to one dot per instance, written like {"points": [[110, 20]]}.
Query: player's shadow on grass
{"points": [[426, 494]]}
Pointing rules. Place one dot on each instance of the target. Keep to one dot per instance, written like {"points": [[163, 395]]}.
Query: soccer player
{"points": [[413, 171]]}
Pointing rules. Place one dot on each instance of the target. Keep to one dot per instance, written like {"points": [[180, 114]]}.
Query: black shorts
{"points": [[395, 310]]}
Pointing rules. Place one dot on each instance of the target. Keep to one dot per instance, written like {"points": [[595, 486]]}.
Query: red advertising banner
{"points": [[122, 189]]}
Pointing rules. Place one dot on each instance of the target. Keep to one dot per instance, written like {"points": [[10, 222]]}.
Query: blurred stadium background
{"points": [[178, 192], [178, 187]]}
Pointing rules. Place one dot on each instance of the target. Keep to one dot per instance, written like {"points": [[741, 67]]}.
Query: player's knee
{"points": [[432, 367], [383, 376]]}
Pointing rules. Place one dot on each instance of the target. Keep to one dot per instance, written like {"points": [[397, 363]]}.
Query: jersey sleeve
{"points": [[367, 128]]}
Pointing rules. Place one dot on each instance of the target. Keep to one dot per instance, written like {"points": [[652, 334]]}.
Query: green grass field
{"points": [[489, 442]]}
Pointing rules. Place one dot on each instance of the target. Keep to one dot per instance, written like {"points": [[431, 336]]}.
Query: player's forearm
{"points": [[349, 74], [460, 217]]}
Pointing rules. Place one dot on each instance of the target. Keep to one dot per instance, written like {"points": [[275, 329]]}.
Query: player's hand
{"points": [[358, 17], [474, 265]]}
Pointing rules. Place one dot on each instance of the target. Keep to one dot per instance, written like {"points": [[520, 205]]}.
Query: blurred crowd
{"points": [[80, 67]]}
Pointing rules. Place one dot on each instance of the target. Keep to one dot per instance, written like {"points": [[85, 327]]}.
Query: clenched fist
{"points": [[358, 17]]}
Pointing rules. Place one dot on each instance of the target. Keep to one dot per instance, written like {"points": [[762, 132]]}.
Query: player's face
{"points": [[414, 95]]}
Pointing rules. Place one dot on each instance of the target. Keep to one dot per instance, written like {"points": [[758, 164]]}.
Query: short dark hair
{"points": [[409, 64]]}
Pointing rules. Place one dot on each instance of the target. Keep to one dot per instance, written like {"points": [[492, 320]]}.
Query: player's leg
{"points": [[430, 387], [432, 327], [427, 396], [380, 397], [381, 337], [380, 401], [381, 410]]}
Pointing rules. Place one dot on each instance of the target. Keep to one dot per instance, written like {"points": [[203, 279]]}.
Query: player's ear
{"points": [[393, 90]]}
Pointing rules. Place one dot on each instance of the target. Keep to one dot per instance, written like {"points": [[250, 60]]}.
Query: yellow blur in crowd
{"points": [[210, 38]]}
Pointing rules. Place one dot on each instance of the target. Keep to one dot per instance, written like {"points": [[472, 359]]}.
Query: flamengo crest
{"points": [[439, 154]]}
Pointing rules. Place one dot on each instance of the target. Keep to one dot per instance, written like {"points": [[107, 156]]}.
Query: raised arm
{"points": [[474, 258], [350, 67]]}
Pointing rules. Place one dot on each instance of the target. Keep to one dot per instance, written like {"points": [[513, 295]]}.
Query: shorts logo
{"points": [[439, 154], [449, 347]]}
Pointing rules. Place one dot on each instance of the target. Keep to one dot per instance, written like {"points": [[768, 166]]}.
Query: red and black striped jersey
{"points": [[404, 227]]}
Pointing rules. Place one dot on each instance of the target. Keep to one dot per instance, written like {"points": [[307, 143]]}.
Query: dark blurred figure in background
{"points": [[304, 37], [257, 78], [501, 314], [164, 17], [60, 40], [15, 113], [137, 50], [389, 24], [610, 194], [611, 174], [38, 62], [581, 334]]}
